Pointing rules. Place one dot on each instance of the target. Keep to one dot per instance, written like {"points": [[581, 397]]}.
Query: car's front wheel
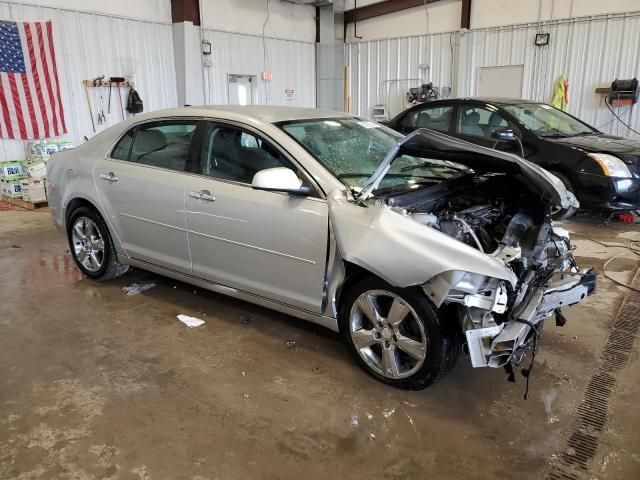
{"points": [[564, 213], [91, 245], [397, 335]]}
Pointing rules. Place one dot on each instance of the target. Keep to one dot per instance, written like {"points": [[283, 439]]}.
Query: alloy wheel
{"points": [[88, 244], [387, 334]]}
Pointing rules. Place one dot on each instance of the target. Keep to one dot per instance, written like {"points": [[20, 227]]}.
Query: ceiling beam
{"points": [[185, 11], [465, 18], [381, 8]]}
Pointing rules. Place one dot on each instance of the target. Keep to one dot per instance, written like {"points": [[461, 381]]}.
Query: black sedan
{"points": [[602, 170]]}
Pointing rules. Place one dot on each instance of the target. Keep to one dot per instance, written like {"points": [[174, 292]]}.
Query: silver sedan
{"points": [[411, 247]]}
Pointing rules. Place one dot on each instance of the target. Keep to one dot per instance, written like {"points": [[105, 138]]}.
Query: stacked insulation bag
{"points": [[25, 179]]}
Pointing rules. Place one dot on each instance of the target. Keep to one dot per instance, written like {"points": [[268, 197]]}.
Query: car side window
{"points": [[122, 149], [163, 144], [479, 121], [434, 118], [230, 153]]}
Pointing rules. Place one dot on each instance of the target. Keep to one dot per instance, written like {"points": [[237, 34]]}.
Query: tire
{"points": [[419, 330], [91, 245], [564, 213]]}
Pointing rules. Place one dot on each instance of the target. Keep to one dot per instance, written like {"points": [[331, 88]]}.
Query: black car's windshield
{"points": [[546, 121], [352, 148]]}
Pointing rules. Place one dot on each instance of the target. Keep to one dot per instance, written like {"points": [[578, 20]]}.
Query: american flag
{"points": [[30, 103]]}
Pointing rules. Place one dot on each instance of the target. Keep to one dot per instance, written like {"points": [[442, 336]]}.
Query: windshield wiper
{"points": [[554, 135], [431, 164], [582, 134]]}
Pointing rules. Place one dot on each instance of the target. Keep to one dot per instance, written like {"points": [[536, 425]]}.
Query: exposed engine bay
{"points": [[495, 215]]}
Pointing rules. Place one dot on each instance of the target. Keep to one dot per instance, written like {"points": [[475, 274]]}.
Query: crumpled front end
{"points": [[500, 321], [486, 255], [481, 244]]}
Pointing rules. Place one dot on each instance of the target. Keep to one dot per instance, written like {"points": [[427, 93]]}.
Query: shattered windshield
{"points": [[351, 149], [546, 121]]}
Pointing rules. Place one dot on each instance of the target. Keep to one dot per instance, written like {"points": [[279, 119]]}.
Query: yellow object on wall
{"points": [[561, 94]]}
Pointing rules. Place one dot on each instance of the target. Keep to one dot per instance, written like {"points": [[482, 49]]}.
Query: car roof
{"points": [[495, 100], [267, 113]]}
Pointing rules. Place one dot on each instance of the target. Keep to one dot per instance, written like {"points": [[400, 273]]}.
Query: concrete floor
{"points": [[95, 384]]}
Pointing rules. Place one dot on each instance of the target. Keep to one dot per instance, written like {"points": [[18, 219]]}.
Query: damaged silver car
{"points": [[414, 248]]}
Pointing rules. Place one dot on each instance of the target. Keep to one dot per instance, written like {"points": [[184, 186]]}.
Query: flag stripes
{"points": [[30, 100]]}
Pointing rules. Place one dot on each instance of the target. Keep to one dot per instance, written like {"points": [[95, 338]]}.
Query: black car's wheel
{"points": [[397, 335], [564, 213], [91, 245]]}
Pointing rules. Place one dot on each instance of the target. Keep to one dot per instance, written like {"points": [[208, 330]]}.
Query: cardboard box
{"points": [[43, 149], [11, 170], [37, 170], [33, 191], [11, 188]]}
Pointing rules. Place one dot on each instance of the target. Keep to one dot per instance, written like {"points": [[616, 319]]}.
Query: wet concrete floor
{"points": [[96, 385]]}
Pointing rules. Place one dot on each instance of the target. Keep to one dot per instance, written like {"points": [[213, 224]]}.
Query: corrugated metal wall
{"points": [[89, 45], [381, 71], [590, 51], [292, 64]]}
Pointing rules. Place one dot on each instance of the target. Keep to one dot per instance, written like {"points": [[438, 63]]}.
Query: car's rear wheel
{"points": [[564, 213], [397, 335], [91, 245]]}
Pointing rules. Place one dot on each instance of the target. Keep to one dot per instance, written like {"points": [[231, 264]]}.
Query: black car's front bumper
{"points": [[608, 193]]}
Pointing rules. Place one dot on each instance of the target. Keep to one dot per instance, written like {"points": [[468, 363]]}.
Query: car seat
{"points": [[224, 154], [496, 122], [470, 125], [147, 142]]}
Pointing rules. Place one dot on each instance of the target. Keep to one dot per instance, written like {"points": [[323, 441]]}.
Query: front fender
{"points": [[400, 250]]}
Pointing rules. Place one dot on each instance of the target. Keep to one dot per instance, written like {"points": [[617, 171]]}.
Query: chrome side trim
{"points": [[253, 247], [152, 221], [322, 320], [217, 216]]}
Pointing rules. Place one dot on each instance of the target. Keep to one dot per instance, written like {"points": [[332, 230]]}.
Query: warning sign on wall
{"points": [[289, 93]]}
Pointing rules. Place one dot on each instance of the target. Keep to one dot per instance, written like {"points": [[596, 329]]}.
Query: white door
{"points": [[503, 81], [241, 89]]}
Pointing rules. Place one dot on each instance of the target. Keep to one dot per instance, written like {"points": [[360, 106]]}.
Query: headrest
{"points": [[224, 139], [473, 118], [150, 141], [424, 119], [495, 120]]}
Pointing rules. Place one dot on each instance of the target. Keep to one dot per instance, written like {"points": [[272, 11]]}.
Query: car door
{"points": [[141, 188], [437, 117], [267, 243]]}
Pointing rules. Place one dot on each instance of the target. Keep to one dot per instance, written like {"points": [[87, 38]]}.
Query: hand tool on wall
{"points": [[118, 81], [109, 102], [86, 91], [96, 83], [102, 118]]}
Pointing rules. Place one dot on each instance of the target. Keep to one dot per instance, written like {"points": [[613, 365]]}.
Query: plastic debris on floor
{"points": [[190, 322], [136, 288], [626, 218]]}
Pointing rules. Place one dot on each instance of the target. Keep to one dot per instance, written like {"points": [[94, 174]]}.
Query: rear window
{"points": [[121, 152], [164, 144]]}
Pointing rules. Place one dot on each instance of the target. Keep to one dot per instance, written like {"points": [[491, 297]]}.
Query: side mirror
{"points": [[505, 135], [280, 179]]}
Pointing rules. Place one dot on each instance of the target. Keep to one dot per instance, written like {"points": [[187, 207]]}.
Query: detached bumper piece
{"points": [[499, 345]]}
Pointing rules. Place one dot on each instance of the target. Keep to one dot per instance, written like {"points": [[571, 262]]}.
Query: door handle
{"points": [[109, 177], [203, 195]]}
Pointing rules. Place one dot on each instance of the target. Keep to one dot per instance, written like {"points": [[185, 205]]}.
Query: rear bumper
{"points": [[609, 193]]}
